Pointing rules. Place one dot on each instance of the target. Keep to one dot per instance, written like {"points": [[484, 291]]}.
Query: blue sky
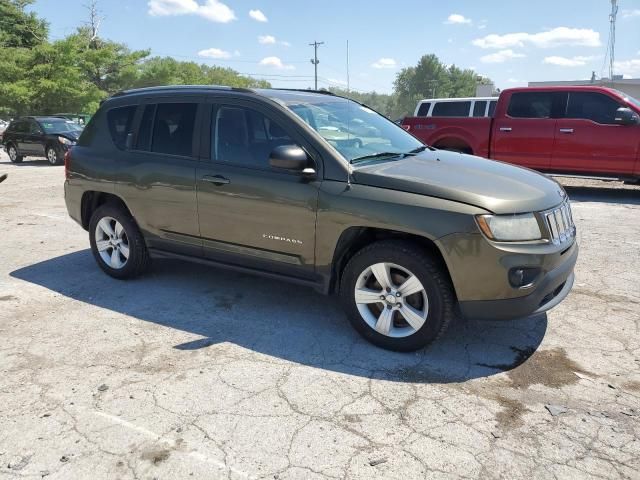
{"points": [[511, 42]]}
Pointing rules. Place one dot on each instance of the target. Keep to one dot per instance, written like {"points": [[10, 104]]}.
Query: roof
{"points": [[598, 83], [461, 99]]}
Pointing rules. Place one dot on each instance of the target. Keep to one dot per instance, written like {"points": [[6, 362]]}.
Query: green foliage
{"points": [[431, 78], [19, 28], [381, 102]]}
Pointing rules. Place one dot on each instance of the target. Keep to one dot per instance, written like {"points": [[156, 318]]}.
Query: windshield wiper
{"points": [[381, 155], [419, 149]]}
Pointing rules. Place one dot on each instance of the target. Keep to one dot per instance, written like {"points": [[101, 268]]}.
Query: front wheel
{"points": [[397, 296], [53, 156], [13, 154], [116, 243]]}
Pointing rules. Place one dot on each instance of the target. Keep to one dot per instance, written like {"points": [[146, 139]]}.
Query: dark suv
{"points": [[322, 191], [48, 137]]}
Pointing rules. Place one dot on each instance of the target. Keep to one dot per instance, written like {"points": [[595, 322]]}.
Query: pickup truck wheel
{"points": [[53, 156], [116, 243], [397, 296], [13, 154]]}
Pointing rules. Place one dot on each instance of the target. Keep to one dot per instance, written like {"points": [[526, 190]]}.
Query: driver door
{"points": [[250, 213]]}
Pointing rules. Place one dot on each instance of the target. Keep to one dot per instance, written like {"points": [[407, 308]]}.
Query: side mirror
{"points": [[289, 157], [626, 116]]}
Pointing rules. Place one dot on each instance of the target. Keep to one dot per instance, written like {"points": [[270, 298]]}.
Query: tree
{"points": [[19, 29]]}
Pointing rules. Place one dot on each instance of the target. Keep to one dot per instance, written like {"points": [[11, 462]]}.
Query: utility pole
{"points": [[315, 60], [612, 34]]}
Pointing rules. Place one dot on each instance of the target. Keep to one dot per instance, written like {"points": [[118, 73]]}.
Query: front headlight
{"points": [[66, 141], [510, 228]]}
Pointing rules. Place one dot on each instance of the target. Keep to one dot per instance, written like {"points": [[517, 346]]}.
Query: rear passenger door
{"points": [[250, 213], [158, 167], [34, 139], [525, 133], [588, 139]]}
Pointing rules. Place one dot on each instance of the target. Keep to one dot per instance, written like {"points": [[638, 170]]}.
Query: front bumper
{"points": [[548, 292]]}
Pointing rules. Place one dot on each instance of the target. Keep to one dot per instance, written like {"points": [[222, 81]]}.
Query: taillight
{"points": [[67, 163]]}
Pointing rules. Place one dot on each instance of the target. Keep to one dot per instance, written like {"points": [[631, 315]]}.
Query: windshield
{"points": [[60, 126], [629, 98], [355, 130]]}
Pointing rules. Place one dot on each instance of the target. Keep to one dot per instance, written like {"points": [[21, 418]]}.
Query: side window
{"points": [[530, 105], [246, 137], [21, 127], [423, 111], [34, 128], [492, 108], [592, 106], [451, 109], [143, 142], [120, 120], [173, 128], [479, 108]]}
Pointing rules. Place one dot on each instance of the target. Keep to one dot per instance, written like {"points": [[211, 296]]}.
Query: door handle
{"points": [[566, 130], [505, 129], [216, 179]]}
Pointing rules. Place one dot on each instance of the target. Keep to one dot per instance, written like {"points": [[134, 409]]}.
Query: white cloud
{"points": [[285, 44], [501, 56], [457, 19], [267, 39], [258, 16], [630, 13], [384, 63], [212, 10], [561, 36], [578, 61], [215, 53], [628, 67], [275, 62]]}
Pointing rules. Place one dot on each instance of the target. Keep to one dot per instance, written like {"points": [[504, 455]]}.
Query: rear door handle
{"points": [[216, 179], [505, 129], [566, 130]]}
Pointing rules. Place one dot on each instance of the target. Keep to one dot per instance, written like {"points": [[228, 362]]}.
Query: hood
{"points": [[70, 135], [494, 186]]}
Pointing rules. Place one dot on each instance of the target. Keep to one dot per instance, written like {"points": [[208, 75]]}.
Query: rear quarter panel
{"points": [[436, 131]]}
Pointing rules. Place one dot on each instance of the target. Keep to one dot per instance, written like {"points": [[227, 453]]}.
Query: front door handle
{"points": [[505, 129], [566, 130], [216, 179]]}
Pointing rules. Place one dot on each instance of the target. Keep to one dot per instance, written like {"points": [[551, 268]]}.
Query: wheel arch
{"points": [[353, 239], [91, 200], [452, 142]]}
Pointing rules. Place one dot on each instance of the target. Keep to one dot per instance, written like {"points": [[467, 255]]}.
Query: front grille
{"points": [[560, 224]]}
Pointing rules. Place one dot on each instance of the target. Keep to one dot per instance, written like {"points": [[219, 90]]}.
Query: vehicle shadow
{"points": [[283, 320], [28, 162], [630, 196]]}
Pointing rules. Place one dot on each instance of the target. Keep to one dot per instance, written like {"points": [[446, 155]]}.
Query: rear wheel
{"points": [[13, 154], [397, 296], [116, 243], [53, 155]]}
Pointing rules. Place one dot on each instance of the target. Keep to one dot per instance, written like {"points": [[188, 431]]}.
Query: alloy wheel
{"points": [[391, 300], [52, 156], [13, 153], [112, 242]]}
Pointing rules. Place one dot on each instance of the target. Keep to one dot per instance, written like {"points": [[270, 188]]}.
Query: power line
{"points": [[315, 60]]}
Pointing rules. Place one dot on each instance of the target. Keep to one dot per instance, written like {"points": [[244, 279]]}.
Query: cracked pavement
{"points": [[192, 372]]}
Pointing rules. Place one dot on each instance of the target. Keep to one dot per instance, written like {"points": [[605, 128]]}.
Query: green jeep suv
{"points": [[323, 191]]}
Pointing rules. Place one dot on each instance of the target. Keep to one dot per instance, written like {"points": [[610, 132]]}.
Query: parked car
{"points": [[244, 179], [577, 131], [79, 118], [3, 127], [47, 137], [456, 107]]}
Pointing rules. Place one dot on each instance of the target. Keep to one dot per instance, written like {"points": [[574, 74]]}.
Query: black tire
{"points": [[14, 158], [432, 276], [138, 260], [54, 155]]}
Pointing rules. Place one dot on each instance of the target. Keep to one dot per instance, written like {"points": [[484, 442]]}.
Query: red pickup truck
{"points": [[581, 131]]}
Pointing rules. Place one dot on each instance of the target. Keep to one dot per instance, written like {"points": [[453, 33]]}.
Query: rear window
{"points": [[451, 109], [173, 129], [492, 108], [530, 105], [120, 121], [423, 111], [479, 108]]}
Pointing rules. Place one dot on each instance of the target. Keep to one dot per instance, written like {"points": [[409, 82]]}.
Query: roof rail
{"points": [[305, 90], [161, 88]]}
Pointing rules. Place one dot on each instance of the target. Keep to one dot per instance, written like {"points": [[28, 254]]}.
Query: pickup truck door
{"points": [[524, 130], [251, 214], [589, 141]]}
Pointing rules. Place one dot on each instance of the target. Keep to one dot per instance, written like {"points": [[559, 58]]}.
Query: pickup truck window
{"points": [[530, 105], [423, 111], [592, 106], [479, 108], [451, 109], [492, 108]]}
